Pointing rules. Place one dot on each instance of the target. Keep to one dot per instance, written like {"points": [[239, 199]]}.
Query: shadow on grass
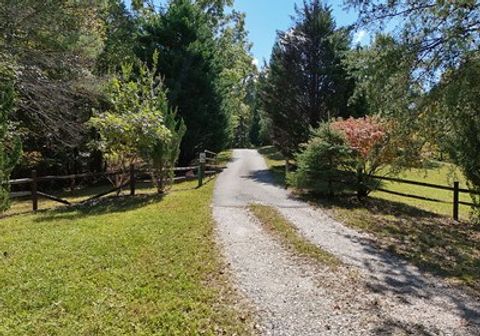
{"points": [[106, 205], [434, 243], [372, 205]]}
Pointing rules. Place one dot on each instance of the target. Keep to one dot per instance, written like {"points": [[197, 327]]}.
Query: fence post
{"points": [[132, 180], [456, 193], [34, 190], [201, 168]]}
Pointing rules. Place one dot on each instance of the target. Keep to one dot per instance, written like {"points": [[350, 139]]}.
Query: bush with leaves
{"points": [[371, 143], [10, 146], [162, 155], [323, 163], [139, 126], [344, 155]]}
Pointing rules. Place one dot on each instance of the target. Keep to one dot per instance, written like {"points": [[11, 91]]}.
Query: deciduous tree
{"points": [[139, 126], [9, 143]]}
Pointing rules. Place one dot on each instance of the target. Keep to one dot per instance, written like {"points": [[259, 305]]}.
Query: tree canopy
{"points": [[306, 81]]}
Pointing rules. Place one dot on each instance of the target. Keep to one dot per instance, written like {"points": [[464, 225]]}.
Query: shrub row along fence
{"points": [[456, 191], [207, 166]]}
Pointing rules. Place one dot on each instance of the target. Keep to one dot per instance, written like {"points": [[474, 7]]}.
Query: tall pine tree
{"points": [[306, 81], [189, 63]]}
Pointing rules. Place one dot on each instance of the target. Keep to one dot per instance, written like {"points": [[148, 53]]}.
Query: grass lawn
{"points": [[438, 173], [131, 266]]}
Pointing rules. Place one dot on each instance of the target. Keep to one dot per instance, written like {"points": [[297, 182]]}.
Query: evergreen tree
{"points": [[190, 66], [120, 29], [306, 81]]}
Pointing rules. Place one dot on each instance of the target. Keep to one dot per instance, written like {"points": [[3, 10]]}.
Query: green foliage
{"points": [[323, 162], [457, 99], [139, 125], [120, 29], [306, 81], [255, 129], [189, 63], [383, 77], [53, 45], [437, 34], [163, 155], [348, 153], [10, 146], [238, 78]]}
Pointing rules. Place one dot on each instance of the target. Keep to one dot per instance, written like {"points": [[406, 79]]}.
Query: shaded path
{"points": [[388, 296]]}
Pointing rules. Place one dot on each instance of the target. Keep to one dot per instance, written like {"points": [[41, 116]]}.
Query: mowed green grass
{"points": [[438, 173], [131, 266]]}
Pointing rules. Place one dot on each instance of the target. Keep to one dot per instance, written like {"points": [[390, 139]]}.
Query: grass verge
{"points": [[289, 235], [225, 157], [434, 243], [142, 265]]}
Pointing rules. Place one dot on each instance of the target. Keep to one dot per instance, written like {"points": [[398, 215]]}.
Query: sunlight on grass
{"points": [[224, 157], [441, 174], [139, 265], [281, 227]]}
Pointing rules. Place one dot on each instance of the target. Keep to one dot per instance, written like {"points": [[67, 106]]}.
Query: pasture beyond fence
{"points": [[456, 191], [207, 166]]}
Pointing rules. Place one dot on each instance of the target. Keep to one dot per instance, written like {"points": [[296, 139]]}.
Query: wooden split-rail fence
{"points": [[456, 191], [207, 166]]}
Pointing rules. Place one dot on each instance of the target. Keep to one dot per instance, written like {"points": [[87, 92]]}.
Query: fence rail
{"points": [[203, 170], [456, 191]]}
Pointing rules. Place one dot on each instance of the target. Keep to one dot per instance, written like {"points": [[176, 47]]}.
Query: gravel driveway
{"points": [[375, 293]]}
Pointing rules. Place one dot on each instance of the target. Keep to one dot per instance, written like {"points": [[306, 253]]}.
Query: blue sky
{"points": [[265, 17]]}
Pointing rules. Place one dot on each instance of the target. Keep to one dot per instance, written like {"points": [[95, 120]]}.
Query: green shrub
{"points": [[139, 126], [326, 163]]}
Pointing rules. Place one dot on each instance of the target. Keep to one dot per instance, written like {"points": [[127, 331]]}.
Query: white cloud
{"points": [[359, 36], [255, 62]]}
